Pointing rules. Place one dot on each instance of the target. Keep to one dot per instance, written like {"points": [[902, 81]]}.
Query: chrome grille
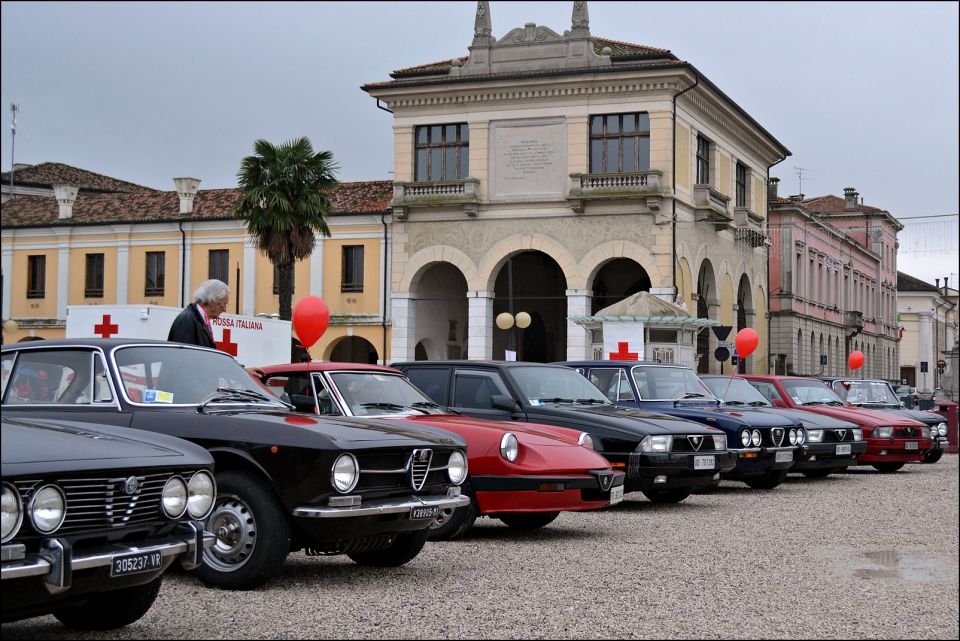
{"points": [[688, 443], [776, 435], [419, 468], [98, 503]]}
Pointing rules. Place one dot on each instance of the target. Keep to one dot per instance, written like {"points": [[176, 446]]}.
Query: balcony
{"points": [[853, 320], [643, 185], [439, 193], [710, 205]]}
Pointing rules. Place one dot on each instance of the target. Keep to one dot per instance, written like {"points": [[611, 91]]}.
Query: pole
{"points": [[236, 299], [513, 330], [13, 139]]}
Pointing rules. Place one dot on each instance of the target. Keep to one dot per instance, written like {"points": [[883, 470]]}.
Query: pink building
{"points": [[833, 276]]}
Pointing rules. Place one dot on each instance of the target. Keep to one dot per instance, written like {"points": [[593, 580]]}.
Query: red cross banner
{"points": [[623, 341]]}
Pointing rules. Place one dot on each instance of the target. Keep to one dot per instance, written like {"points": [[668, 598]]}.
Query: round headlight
{"points": [[801, 436], [793, 437], [942, 429], [12, 512], [586, 440], [745, 438], [174, 497], [755, 438], [457, 467], [345, 473], [48, 509], [201, 491], [509, 447]]}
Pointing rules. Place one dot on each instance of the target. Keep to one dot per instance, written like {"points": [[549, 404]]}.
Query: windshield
{"points": [[540, 385], [866, 392], [736, 391], [809, 392], [182, 376], [372, 393], [669, 383]]}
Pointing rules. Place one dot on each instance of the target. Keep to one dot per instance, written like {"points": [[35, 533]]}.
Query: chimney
{"points": [[66, 195], [851, 195], [186, 189], [772, 184], [797, 198]]}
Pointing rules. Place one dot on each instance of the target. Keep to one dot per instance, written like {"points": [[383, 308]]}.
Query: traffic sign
{"points": [[721, 354], [722, 331]]}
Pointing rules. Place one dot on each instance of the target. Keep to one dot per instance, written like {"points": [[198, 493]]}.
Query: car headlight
{"points": [[793, 437], [719, 441], [857, 434], [345, 473], [586, 440], [745, 438], [942, 429], [801, 436], [48, 509], [174, 498], [509, 447], [457, 467], [658, 443], [815, 436], [883, 432], [201, 492], [12, 512], [755, 438]]}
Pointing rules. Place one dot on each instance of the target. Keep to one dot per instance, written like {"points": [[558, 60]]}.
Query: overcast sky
{"points": [[864, 94]]}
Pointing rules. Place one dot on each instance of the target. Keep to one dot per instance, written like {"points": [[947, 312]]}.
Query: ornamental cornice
{"points": [[714, 114]]}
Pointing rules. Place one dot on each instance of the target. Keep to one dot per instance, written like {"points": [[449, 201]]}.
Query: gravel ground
{"points": [[859, 555]]}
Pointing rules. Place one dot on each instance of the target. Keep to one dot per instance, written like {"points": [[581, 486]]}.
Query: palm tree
{"points": [[285, 199]]}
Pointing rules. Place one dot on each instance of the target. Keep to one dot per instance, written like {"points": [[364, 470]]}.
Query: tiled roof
{"points": [[618, 50], [835, 205], [53, 173], [908, 283], [209, 204]]}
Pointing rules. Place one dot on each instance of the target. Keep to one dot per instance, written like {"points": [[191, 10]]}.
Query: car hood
{"points": [[626, 420], [809, 419], [859, 415], [742, 416], [40, 445], [927, 418], [533, 434]]}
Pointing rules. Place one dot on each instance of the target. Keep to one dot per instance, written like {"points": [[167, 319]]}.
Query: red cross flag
{"points": [[623, 341]]}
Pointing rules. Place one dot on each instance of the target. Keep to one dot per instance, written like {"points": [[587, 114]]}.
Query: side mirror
{"points": [[778, 403], [303, 403], [504, 403]]}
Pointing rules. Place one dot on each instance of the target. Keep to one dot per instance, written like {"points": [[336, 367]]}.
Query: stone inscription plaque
{"points": [[528, 159]]}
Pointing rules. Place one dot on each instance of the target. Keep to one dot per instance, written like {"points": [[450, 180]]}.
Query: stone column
{"points": [[403, 338], [480, 322], [249, 276], [7, 279], [123, 264], [926, 352], [316, 267], [579, 343], [63, 277]]}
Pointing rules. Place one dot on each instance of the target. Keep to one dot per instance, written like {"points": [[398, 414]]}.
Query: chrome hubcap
{"points": [[235, 527]]}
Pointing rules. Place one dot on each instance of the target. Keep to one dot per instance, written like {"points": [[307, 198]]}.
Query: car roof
{"points": [[464, 363], [602, 363], [324, 366], [96, 341]]}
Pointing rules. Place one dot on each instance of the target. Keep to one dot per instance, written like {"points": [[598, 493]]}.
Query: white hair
{"points": [[211, 291]]}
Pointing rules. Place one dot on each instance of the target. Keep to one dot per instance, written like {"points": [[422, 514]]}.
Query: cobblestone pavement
{"points": [[858, 555]]}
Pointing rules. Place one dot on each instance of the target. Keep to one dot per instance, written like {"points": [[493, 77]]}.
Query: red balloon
{"points": [[855, 360], [310, 319], [746, 342]]}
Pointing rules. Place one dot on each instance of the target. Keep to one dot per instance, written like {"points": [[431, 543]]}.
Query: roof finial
{"points": [[581, 17], [482, 28]]}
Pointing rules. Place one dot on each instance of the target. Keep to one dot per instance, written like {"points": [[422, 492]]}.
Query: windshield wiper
{"points": [[591, 401], [759, 404], [225, 394], [733, 403], [555, 400], [382, 406], [813, 403]]}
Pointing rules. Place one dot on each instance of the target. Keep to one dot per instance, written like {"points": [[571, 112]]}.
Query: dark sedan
{"points": [[93, 516], [365, 488]]}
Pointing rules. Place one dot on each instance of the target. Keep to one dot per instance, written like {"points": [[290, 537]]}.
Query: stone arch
{"points": [[685, 282], [418, 264], [599, 256], [616, 279], [352, 349], [707, 306], [488, 268]]}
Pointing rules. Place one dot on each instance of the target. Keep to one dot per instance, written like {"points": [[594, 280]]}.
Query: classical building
{"points": [[557, 173], [833, 280], [928, 315]]}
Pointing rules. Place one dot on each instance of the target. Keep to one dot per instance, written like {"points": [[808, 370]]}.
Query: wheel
{"points": [[404, 548], [252, 530], [111, 610], [452, 524], [887, 468], [933, 456], [667, 496], [529, 521], [767, 481], [818, 474]]}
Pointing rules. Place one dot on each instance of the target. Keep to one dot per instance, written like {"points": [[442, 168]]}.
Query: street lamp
{"points": [[507, 321]]}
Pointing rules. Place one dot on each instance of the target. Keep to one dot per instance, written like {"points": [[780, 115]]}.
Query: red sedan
{"points": [[521, 473], [892, 440]]}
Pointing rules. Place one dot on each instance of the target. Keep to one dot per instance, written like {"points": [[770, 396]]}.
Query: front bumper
{"points": [[669, 470], [545, 493], [383, 507], [818, 456], [758, 461], [894, 450]]}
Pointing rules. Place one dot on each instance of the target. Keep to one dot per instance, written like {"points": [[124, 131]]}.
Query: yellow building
{"points": [[73, 237]]}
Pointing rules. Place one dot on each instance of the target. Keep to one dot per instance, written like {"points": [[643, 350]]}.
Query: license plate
{"points": [[911, 445], [704, 462], [843, 449], [427, 512], [616, 494], [135, 563], [784, 457]]}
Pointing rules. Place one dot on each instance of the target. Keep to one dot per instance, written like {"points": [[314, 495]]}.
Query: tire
{"points": [[933, 456], [819, 474], [112, 609], [887, 468], [529, 521], [253, 534], [403, 549], [452, 524], [667, 496], [767, 481]]}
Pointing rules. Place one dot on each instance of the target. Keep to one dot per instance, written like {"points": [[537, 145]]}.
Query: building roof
{"points": [[908, 283], [370, 197], [47, 174], [836, 205]]}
